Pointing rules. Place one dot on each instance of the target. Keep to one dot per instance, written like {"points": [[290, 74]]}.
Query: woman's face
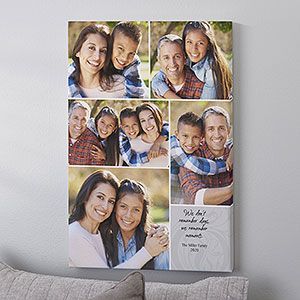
{"points": [[92, 54], [106, 125], [101, 203], [147, 121], [129, 211], [196, 44]]}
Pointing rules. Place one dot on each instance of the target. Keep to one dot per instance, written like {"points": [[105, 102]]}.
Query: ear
{"points": [[176, 133], [77, 54]]}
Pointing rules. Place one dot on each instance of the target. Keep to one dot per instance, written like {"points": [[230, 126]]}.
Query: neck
{"points": [[88, 225], [89, 81], [217, 153], [150, 137], [126, 236]]}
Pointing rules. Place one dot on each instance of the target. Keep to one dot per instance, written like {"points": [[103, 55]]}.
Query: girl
{"points": [[90, 220], [86, 76], [130, 225], [106, 127]]}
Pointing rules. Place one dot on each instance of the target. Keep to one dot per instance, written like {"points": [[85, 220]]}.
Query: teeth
{"points": [[99, 212], [150, 128], [172, 69], [94, 63], [126, 222]]}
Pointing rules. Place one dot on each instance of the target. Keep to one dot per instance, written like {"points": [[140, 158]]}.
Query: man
{"points": [[175, 80], [81, 139], [216, 189]]}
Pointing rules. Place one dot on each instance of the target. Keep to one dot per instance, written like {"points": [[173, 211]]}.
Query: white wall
{"points": [[33, 171]]}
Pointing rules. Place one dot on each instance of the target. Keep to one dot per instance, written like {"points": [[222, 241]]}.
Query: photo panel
{"points": [[124, 205], [119, 133], [108, 59], [191, 60]]}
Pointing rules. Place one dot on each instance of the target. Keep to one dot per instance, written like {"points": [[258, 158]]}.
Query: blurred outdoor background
{"points": [[222, 31], [156, 181], [178, 108], [118, 105], [74, 29]]}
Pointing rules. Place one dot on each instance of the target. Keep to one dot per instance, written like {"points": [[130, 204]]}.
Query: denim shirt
{"points": [[161, 262], [203, 72]]}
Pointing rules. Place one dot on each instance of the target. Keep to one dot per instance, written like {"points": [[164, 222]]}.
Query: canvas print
{"points": [[150, 145]]}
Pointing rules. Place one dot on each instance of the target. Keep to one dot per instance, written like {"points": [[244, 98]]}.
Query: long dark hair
{"points": [[112, 149], [91, 182], [221, 73], [154, 110], [105, 80], [128, 186]]}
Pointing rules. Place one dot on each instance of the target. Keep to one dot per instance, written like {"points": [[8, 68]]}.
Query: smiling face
{"points": [[124, 50], [216, 132], [131, 127], [189, 137], [147, 122], [100, 204], [92, 54], [78, 122], [171, 59], [196, 44], [106, 125], [129, 210]]}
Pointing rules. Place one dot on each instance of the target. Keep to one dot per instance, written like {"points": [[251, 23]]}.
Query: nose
{"points": [[96, 55], [173, 61], [104, 205], [189, 141], [128, 214]]}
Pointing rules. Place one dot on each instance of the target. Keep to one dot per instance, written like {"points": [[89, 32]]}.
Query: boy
{"points": [[184, 144], [125, 41], [130, 129]]}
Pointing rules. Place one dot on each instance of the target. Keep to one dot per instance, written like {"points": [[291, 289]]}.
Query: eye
{"points": [[137, 210], [142, 121], [188, 42], [178, 56], [184, 135], [112, 202], [103, 51], [120, 48], [92, 48], [100, 197]]}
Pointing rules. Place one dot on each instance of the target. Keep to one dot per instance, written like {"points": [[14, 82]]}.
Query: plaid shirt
{"points": [[131, 157], [80, 151], [74, 90], [196, 164], [191, 183], [134, 84], [192, 87]]}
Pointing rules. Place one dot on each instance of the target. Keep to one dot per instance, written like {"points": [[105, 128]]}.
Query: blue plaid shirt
{"points": [[135, 86], [74, 90], [161, 262], [198, 165], [131, 157]]}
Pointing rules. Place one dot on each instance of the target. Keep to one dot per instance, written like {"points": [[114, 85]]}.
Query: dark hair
{"points": [[191, 119], [130, 30], [127, 112], [91, 182], [221, 73], [155, 111], [112, 142], [105, 81], [128, 186]]}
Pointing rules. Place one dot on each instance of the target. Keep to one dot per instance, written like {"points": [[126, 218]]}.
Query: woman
{"points": [[130, 226], [86, 77], [151, 121], [106, 127], [90, 216], [207, 61]]}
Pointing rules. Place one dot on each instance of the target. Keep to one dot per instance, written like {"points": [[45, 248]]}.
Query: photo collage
{"points": [[150, 145]]}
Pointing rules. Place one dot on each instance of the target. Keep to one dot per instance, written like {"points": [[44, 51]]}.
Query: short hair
{"points": [[191, 119], [127, 112], [79, 104], [215, 110], [130, 30], [169, 38]]}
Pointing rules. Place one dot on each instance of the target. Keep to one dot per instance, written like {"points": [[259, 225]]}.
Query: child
{"points": [[122, 51], [130, 129], [184, 144]]}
